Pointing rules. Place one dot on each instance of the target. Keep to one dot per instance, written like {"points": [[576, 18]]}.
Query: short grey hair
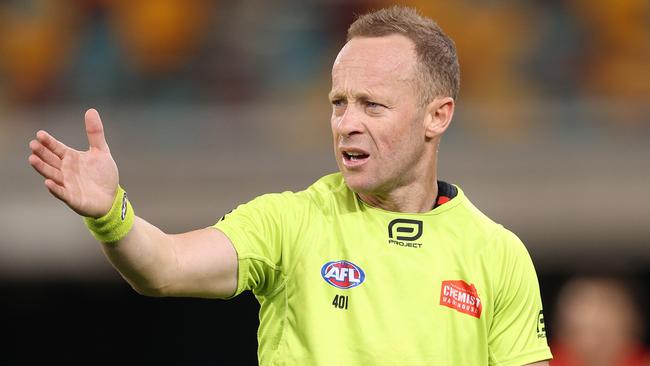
{"points": [[438, 69]]}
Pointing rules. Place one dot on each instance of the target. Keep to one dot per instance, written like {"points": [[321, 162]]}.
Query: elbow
{"points": [[151, 286], [149, 290]]}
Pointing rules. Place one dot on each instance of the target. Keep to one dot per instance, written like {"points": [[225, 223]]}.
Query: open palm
{"points": [[85, 180]]}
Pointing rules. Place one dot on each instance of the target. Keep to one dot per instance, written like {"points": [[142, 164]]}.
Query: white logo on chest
{"points": [[341, 274]]}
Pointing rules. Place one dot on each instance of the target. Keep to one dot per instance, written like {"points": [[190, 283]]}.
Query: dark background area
{"points": [[108, 323], [64, 322]]}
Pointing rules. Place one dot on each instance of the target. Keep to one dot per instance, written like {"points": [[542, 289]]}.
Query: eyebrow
{"points": [[336, 95]]}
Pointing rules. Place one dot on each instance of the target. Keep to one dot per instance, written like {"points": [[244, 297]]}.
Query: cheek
{"points": [[395, 142], [391, 145], [402, 149]]}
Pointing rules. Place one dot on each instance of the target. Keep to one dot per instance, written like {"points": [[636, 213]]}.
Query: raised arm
{"points": [[200, 263]]}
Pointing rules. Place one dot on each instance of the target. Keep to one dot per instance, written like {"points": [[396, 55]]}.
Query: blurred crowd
{"points": [[54, 51], [57, 51]]}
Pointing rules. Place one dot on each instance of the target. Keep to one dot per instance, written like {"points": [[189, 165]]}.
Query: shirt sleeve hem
{"points": [[242, 264]]}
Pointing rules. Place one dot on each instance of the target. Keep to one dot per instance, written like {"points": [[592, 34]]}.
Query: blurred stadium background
{"points": [[207, 104]]}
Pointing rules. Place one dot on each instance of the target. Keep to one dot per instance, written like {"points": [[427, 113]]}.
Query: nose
{"points": [[350, 122]]}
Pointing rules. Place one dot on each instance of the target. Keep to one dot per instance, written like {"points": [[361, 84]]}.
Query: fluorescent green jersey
{"points": [[341, 282]]}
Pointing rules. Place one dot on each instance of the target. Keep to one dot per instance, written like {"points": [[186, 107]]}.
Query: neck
{"points": [[417, 197], [416, 193]]}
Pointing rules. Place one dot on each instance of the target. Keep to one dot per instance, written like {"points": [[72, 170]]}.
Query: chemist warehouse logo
{"points": [[404, 232], [342, 274], [462, 297]]}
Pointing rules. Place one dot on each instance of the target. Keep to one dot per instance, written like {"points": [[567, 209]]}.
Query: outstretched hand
{"points": [[85, 180]]}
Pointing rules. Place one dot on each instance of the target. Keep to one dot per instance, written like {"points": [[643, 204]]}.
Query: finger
{"points": [[57, 190], [45, 154], [95, 130], [54, 145], [47, 171]]}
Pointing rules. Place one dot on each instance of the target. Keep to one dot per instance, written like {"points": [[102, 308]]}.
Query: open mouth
{"points": [[354, 158]]}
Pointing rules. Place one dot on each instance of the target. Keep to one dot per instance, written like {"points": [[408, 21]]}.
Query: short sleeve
{"points": [[258, 230], [517, 335]]}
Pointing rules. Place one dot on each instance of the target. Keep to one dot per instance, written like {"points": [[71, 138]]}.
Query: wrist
{"points": [[113, 226]]}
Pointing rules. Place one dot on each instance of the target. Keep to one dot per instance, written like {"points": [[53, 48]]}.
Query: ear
{"points": [[439, 114]]}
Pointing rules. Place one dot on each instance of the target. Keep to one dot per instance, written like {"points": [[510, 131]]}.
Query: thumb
{"points": [[95, 130]]}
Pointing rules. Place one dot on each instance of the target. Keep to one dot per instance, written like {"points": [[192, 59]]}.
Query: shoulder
{"points": [[326, 188], [328, 192], [499, 239], [470, 218], [319, 195]]}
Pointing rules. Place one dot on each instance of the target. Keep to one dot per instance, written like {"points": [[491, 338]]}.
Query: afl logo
{"points": [[342, 274]]}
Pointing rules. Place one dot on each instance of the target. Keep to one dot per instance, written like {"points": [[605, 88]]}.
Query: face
{"points": [[377, 122]]}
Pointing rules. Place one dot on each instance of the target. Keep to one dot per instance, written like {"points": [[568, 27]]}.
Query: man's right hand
{"points": [[85, 180]]}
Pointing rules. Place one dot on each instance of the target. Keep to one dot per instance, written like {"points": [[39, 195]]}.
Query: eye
{"points": [[338, 102], [374, 106]]}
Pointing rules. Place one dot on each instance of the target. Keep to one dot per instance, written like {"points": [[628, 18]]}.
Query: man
{"points": [[381, 263]]}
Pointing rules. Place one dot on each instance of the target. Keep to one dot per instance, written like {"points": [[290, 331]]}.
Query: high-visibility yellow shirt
{"points": [[342, 282]]}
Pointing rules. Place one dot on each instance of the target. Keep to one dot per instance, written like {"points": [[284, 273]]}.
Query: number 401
{"points": [[340, 301]]}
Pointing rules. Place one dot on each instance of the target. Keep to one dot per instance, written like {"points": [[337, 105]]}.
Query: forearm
{"points": [[144, 257], [199, 263]]}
